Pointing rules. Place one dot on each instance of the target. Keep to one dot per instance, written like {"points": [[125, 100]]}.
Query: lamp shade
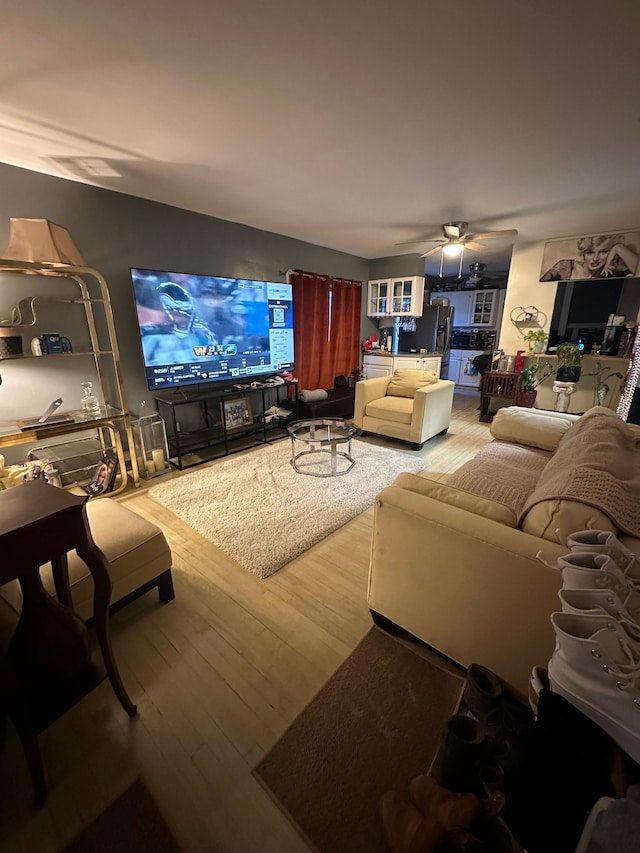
{"points": [[41, 240]]}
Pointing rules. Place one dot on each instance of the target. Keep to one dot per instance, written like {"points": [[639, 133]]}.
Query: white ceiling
{"points": [[352, 124]]}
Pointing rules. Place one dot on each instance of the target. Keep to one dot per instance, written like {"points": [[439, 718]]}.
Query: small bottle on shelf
{"points": [[89, 404]]}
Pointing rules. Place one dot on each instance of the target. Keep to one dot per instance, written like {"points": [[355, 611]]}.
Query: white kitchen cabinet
{"points": [[462, 302], [379, 364], [461, 369], [454, 365], [474, 308], [396, 296]]}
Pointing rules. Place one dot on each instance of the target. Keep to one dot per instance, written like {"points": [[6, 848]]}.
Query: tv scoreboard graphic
{"points": [[215, 349]]}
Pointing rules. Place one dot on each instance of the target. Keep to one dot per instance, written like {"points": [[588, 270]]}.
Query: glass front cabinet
{"points": [[484, 308], [390, 297]]}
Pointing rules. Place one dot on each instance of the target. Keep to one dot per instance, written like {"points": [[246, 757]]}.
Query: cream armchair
{"points": [[412, 405]]}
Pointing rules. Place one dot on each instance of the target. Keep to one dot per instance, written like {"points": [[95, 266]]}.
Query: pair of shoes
{"points": [[596, 662], [437, 820], [420, 825], [500, 716]]}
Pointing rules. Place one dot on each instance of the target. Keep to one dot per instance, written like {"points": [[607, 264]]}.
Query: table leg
{"points": [[98, 566]]}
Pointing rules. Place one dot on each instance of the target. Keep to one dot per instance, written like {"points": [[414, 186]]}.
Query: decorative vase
{"points": [[526, 398], [568, 373]]}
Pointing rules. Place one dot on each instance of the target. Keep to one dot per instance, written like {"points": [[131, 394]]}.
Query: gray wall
{"points": [[114, 232], [395, 266]]}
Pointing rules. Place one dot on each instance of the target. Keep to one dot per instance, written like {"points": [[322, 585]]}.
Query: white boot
{"points": [[596, 667], [607, 543], [590, 602], [585, 570]]}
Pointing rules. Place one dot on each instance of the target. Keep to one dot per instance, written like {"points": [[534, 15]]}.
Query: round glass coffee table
{"points": [[314, 447]]}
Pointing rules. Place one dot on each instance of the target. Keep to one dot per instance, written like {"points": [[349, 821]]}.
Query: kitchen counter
{"points": [[383, 363], [411, 353]]}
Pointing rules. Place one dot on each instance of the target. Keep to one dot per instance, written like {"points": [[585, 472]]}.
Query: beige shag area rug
{"points": [[262, 513]]}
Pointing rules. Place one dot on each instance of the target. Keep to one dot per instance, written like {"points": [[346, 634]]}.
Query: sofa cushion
{"points": [[456, 497], [397, 409], [502, 472], [530, 427], [406, 381]]}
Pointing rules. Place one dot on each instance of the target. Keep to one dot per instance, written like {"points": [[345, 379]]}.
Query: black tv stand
{"points": [[198, 426]]}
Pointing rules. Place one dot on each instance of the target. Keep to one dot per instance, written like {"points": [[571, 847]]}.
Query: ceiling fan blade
{"points": [[431, 251], [488, 235], [423, 240], [475, 247]]}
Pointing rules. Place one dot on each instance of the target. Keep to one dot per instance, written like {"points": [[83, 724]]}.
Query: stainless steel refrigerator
{"points": [[433, 334]]}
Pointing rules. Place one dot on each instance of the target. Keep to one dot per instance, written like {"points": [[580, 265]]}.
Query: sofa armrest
{"points": [[431, 410], [366, 391], [531, 427], [468, 586]]}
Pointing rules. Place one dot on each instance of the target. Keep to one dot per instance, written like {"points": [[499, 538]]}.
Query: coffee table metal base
{"points": [[321, 439]]}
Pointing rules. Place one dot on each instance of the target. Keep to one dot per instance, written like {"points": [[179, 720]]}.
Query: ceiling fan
{"points": [[456, 239]]}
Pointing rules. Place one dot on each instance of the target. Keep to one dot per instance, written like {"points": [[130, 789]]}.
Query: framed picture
{"points": [[236, 413], [104, 476], [592, 257]]}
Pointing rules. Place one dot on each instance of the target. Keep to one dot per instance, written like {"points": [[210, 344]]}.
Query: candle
{"points": [[158, 459], [151, 468]]}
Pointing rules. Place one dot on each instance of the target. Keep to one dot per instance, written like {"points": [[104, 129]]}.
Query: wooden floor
{"points": [[218, 675]]}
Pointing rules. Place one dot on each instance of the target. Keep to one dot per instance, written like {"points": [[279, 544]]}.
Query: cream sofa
{"points": [[454, 562], [412, 405]]}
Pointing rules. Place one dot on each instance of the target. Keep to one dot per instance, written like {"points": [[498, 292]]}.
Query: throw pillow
{"points": [[531, 427], [313, 396], [406, 381]]}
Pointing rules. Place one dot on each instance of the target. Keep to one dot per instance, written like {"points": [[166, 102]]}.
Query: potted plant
{"points": [[528, 380], [601, 376], [536, 340], [569, 360]]}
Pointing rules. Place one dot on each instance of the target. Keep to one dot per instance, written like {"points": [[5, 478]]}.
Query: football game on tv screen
{"points": [[200, 328]]}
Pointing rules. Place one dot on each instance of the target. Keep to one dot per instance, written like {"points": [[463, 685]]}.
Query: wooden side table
{"points": [[496, 384], [50, 664]]}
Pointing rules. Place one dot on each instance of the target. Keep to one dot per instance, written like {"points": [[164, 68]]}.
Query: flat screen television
{"points": [[202, 328], [582, 309]]}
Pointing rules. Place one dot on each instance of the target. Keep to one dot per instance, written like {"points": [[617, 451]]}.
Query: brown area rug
{"points": [[372, 727], [131, 823]]}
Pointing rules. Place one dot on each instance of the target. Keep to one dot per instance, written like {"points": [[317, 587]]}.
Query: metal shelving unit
{"points": [[112, 424]]}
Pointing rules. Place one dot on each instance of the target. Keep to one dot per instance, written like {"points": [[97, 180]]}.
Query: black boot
{"points": [[466, 762]]}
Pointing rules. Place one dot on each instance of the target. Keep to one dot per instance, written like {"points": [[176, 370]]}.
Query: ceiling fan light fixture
{"points": [[452, 250]]}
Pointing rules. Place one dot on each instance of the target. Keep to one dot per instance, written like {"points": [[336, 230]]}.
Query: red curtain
{"points": [[326, 320]]}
